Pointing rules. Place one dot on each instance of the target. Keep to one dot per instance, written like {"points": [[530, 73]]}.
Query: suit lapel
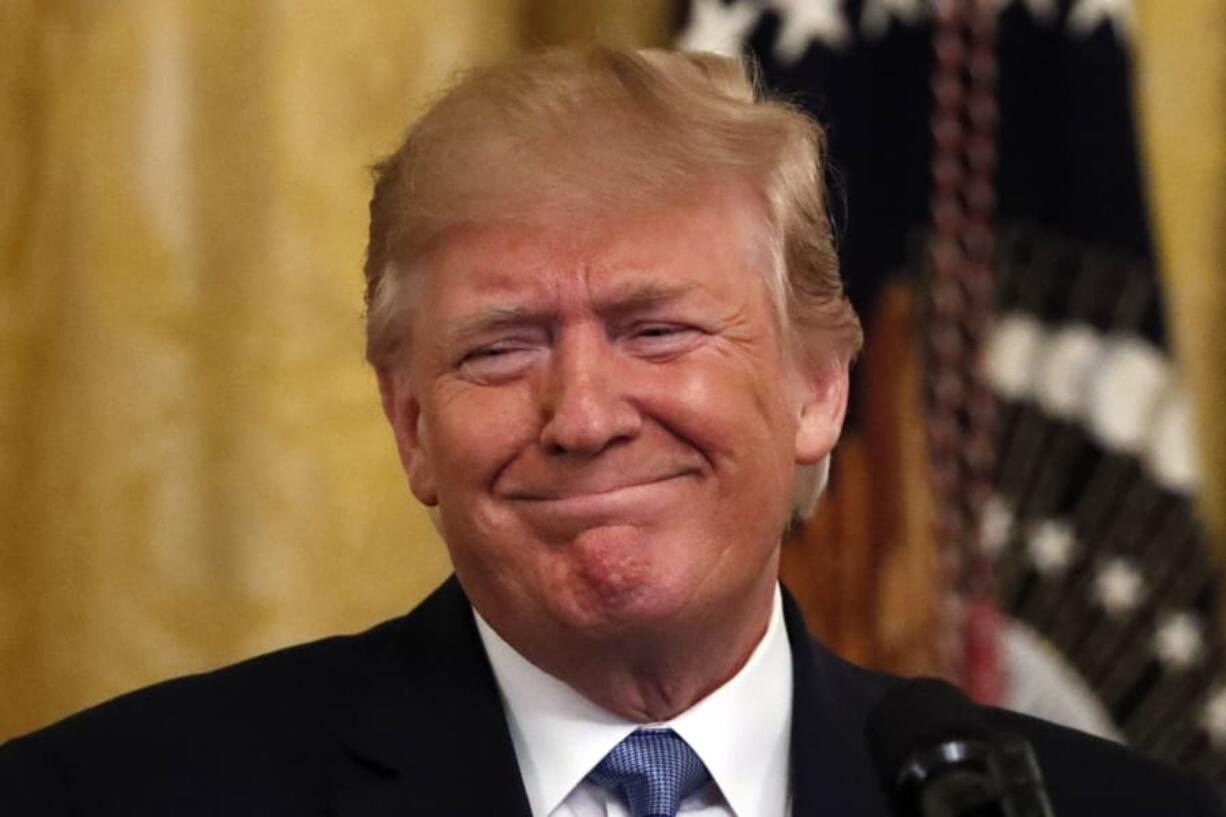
{"points": [[831, 770], [428, 735]]}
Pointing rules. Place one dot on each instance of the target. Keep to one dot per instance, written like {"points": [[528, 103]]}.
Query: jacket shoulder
{"points": [[270, 685], [1086, 774], [243, 728]]}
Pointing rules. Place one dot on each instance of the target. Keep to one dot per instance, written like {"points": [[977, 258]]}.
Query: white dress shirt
{"points": [[742, 732]]}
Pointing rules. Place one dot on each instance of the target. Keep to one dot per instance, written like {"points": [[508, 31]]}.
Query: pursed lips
{"points": [[594, 489]]}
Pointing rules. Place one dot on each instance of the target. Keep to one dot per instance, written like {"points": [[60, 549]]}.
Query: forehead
{"points": [[714, 242]]}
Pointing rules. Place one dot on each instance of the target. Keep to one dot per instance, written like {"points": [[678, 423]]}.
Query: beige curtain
{"points": [[1181, 94]]}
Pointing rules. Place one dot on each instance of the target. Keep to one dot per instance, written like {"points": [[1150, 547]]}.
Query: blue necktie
{"points": [[653, 770]]}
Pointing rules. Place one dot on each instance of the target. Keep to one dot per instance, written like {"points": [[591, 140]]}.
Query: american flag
{"points": [[984, 153]]}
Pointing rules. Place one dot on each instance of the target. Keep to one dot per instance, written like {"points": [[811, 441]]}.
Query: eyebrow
{"points": [[494, 318], [634, 298]]}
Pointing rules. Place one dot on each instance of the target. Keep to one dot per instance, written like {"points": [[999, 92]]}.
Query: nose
{"points": [[586, 403]]}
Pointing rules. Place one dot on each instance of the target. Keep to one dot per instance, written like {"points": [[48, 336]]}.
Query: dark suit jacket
{"points": [[405, 719]]}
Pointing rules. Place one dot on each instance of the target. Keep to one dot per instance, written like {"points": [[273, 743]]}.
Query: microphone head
{"points": [[932, 751], [935, 755], [915, 716]]}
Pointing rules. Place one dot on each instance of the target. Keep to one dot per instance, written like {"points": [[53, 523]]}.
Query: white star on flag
{"points": [[994, 525], [1213, 717], [719, 28], [877, 14], [803, 21], [1051, 546], [1088, 15], [1178, 642], [1118, 586]]}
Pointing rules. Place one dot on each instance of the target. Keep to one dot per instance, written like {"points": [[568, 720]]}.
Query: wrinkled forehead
{"points": [[702, 251], [718, 216]]}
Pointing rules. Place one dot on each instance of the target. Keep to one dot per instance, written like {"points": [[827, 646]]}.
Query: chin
{"points": [[596, 621], [622, 593]]}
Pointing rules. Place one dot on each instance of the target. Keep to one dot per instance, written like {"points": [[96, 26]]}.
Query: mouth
{"points": [[636, 501], [570, 493]]}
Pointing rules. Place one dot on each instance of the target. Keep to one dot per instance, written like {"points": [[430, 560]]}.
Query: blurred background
{"points": [[1032, 197]]}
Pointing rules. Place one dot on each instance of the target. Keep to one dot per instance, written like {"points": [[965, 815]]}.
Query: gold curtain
{"points": [[1181, 95], [193, 465]]}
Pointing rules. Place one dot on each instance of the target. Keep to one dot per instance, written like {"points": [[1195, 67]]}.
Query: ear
{"points": [[822, 408], [403, 412]]}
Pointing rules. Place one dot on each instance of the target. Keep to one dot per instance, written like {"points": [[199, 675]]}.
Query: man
{"points": [[610, 338]]}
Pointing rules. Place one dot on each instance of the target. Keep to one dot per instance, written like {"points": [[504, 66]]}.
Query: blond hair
{"points": [[607, 130]]}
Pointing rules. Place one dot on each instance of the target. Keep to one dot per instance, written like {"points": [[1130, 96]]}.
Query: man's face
{"points": [[605, 416]]}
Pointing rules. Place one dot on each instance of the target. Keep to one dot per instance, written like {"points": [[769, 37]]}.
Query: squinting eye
{"points": [[663, 339], [658, 331], [497, 362]]}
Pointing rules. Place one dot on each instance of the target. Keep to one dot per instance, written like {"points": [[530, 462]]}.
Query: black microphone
{"points": [[936, 757]]}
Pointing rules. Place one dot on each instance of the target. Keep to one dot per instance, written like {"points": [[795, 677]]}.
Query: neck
{"points": [[650, 678]]}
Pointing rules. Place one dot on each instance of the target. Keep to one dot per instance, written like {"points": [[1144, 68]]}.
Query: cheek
{"points": [[738, 418], [475, 431]]}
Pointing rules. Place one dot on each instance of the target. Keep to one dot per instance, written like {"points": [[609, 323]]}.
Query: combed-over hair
{"points": [[614, 131]]}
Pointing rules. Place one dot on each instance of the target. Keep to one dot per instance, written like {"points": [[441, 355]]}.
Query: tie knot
{"points": [[653, 770]]}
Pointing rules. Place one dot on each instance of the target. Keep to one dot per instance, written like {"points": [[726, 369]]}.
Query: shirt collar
{"points": [[741, 730]]}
